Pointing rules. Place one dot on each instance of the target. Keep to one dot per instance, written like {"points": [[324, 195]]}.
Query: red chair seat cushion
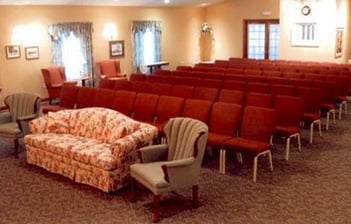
{"points": [[286, 130], [310, 117], [217, 140], [246, 145]]}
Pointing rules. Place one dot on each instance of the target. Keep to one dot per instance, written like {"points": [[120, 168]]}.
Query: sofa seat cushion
{"points": [[81, 149]]}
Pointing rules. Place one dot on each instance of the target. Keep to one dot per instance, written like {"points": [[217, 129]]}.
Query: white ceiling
{"points": [[139, 3]]}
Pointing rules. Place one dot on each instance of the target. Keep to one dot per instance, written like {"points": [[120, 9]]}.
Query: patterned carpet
{"points": [[312, 187]]}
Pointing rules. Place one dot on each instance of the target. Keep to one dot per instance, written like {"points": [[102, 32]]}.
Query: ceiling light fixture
{"points": [[167, 1]]}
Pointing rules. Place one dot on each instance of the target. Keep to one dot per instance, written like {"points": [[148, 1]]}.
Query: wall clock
{"points": [[306, 10]]}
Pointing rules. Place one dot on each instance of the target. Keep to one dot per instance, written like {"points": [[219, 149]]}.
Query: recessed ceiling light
{"points": [[167, 1]]}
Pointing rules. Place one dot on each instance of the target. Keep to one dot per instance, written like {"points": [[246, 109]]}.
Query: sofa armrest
{"points": [[143, 136], [153, 153], [38, 125]]}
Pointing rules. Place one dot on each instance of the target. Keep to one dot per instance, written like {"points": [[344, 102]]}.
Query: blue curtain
{"points": [[139, 29]]}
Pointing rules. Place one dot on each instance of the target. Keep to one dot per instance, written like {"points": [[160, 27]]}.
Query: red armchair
{"points": [[55, 78], [109, 69]]}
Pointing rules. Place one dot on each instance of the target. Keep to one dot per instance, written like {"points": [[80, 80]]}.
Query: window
{"points": [[261, 39], [72, 48], [146, 44], [72, 57]]}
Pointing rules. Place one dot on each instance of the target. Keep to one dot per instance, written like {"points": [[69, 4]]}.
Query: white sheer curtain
{"points": [[146, 39], [72, 48]]}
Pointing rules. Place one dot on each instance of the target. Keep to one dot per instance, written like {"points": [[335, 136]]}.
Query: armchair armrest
{"points": [[5, 117], [23, 123], [153, 153], [180, 172]]}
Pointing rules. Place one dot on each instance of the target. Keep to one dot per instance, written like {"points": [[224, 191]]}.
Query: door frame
{"points": [[267, 22]]}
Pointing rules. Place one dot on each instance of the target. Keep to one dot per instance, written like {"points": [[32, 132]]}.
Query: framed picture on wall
{"points": [[304, 34], [31, 53], [338, 42], [13, 51], [116, 48]]}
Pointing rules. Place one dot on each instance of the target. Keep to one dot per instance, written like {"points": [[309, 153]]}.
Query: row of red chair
{"points": [[155, 109], [342, 83], [278, 65], [297, 72], [331, 95]]}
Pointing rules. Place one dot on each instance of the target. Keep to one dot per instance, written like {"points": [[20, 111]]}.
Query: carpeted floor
{"points": [[312, 187]]}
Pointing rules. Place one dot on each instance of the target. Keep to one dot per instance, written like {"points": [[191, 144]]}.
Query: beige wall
{"points": [[227, 23], [180, 37], [328, 15]]}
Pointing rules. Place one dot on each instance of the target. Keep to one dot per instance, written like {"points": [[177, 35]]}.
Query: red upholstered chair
{"points": [[286, 90], [163, 72], [222, 128], [144, 108], [235, 77], [341, 92], [107, 83], [123, 84], [259, 100], [124, 101], [329, 97], [211, 83], [68, 97], [109, 69], [85, 97], [104, 98], [205, 93], [161, 88], [255, 78], [277, 80], [137, 77], [234, 85], [258, 87], [301, 82], [197, 109], [168, 107], [311, 114], [255, 133], [231, 96], [289, 114], [157, 78], [184, 68], [55, 78], [189, 81], [182, 91], [142, 87]]}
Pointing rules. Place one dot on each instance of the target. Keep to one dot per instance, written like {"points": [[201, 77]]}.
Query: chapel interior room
{"points": [[247, 102]]}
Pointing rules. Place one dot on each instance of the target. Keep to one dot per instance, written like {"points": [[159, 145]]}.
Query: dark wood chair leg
{"points": [[16, 143], [132, 189], [195, 196], [156, 212]]}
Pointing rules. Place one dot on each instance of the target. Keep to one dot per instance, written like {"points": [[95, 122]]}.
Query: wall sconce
{"points": [[18, 34], [28, 35], [110, 31], [206, 28]]}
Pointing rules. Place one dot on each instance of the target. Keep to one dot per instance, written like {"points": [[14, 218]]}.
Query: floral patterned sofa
{"points": [[94, 146]]}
